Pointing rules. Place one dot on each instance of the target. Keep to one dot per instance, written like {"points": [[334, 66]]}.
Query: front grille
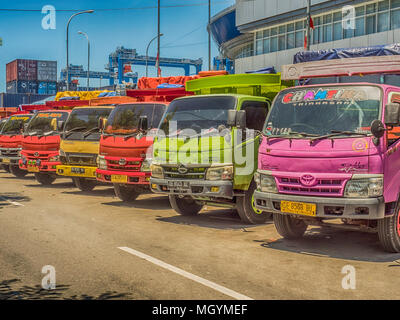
{"points": [[197, 173], [42, 156], [323, 186], [81, 159], [12, 152], [133, 166]]}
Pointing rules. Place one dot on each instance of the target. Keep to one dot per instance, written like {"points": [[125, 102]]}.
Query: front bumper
{"points": [[348, 206], [45, 166], [9, 160], [76, 171], [125, 177], [195, 188]]}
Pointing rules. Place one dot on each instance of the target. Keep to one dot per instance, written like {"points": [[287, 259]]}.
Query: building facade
{"points": [[272, 31]]}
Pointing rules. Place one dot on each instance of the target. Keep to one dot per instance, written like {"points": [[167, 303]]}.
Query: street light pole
{"points": [[69, 20], [308, 31], [88, 57], [147, 51], [209, 35], [158, 35]]}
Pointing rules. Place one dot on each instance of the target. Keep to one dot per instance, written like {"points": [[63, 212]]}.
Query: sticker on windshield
{"points": [[49, 115], [301, 96], [20, 118]]}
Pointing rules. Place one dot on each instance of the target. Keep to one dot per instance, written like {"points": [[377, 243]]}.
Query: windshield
{"points": [[85, 119], [125, 118], [41, 122], [324, 110], [199, 113], [15, 124], [2, 123]]}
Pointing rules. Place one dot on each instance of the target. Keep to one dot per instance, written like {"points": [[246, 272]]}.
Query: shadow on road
{"points": [[14, 290], [7, 198], [26, 178], [153, 203], [55, 185], [215, 219], [334, 243], [94, 193]]}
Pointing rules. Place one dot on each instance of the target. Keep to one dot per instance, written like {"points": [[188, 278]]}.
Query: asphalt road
{"points": [[102, 248]]}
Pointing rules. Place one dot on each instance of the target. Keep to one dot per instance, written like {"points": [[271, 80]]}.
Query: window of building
{"points": [[378, 16]]}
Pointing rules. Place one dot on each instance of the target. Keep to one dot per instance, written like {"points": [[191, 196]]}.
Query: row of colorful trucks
{"points": [[317, 144]]}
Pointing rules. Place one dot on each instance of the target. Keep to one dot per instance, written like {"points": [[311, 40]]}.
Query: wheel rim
{"points": [[253, 205], [398, 223]]}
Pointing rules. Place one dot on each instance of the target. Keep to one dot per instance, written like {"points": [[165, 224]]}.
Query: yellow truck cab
{"points": [[79, 145]]}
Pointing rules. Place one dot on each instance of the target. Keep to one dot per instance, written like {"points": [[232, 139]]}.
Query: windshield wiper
{"points": [[87, 133], [72, 130], [335, 133], [291, 134], [131, 135]]}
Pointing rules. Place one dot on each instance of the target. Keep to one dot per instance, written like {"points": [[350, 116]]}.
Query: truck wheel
{"points": [[16, 171], [289, 227], [125, 193], [84, 184], [246, 208], [45, 178], [6, 167], [389, 231], [185, 206]]}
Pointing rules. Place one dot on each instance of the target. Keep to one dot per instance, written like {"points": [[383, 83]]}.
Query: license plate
{"points": [[33, 169], [5, 160], [306, 209], [180, 185], [119, 179], [77, 170]]}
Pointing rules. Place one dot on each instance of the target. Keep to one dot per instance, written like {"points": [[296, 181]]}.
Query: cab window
{"points": [[394, 134], [256, 113]]}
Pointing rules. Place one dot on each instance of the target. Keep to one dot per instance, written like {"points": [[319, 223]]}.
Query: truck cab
{"points": [[40, 145], [329, 152], [11, 143], [206, 147], [79, 145]]}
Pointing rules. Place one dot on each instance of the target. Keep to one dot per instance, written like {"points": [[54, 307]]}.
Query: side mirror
{"points": [[241, 119], [143, 123], [377, 129], [102, 123], [53, 124], [60, 125], [392, 113], [231, 118], [24, 126]]}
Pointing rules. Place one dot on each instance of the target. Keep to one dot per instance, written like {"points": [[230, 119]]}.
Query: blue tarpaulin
{"points": [[169, 86], [383, 50], [264, 71]]}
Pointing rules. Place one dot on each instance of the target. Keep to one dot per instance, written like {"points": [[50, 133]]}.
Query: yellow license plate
{"points": [[33, 169], [306, 209], [119, 179], [6, 160]]}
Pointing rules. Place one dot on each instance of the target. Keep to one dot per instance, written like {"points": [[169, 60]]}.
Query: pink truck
{"points": [[330, 153]]}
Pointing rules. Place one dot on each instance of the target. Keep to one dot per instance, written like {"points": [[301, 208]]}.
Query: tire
{"points": [[125, 192], [246, 209], [389, 231], [84, 184], [6, 167], [45, 178], [16, 171], [185, 206], [289, 227]]}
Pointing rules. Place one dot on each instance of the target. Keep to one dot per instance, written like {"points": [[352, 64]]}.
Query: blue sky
{"points": [[184, 28]]}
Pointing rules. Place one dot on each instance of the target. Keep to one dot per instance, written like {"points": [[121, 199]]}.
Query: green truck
{"points": [[206, 147]]}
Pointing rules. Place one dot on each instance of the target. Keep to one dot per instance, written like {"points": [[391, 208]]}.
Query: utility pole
{"points": [[308, 30], [209, 35], [158, 37]]}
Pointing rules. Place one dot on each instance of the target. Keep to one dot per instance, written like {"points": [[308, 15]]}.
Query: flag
{"points": [[311, 23]]}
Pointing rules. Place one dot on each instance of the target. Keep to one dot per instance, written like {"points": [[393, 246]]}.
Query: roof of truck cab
{"points": [[143, 102], [236, 96], [94, 107]]}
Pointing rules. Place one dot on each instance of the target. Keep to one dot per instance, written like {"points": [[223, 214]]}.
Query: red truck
{"points": [[11, 143], [124, 155], [41, 144]]}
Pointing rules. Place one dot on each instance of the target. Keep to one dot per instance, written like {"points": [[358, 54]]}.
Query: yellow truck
{"points": [[79, 145]]}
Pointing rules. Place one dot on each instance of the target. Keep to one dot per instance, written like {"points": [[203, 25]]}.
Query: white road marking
{"points": [[188, 275], [12, 202]]}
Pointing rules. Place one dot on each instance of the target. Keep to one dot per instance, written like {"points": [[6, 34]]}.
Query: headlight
{"points": [[146, 165], [157, 171], [101, 163], [19, 153], [364, 188], [54, 159], [265, 183], [220, 173]]}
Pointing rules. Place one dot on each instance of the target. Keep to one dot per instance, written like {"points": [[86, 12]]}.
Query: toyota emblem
{"points": [[308, 180], [182, 169], [36, 154], [122, 162]]}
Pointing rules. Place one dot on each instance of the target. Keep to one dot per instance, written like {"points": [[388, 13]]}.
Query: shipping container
{"points": [[45, 87], [21, 87], [62, 86], [46, 70], [21, 69], [14, 100]]}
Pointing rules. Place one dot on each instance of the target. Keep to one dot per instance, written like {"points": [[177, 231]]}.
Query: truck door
{"points": [[246, 151]]}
